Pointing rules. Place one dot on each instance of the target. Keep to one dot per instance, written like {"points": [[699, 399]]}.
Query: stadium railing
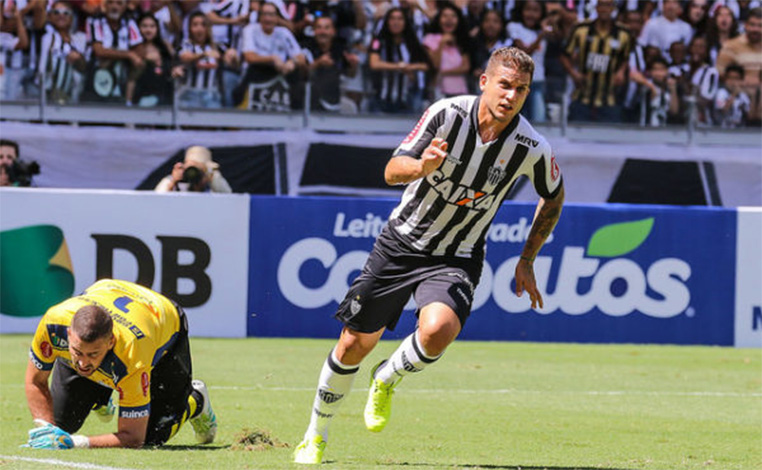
{"points": [[176, 117]]}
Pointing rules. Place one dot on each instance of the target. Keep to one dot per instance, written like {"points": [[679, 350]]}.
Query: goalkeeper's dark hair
{"points": [[92, 323]]}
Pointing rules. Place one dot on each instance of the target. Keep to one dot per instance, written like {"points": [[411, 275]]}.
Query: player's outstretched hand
{"points": [[434, 155], [47, 436], [525, 281]]}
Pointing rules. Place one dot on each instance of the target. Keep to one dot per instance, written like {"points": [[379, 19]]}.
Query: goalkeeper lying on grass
{"points": [[116, 336]]}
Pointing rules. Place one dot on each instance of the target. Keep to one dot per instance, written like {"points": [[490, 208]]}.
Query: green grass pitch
{"points": [[491, 405]]}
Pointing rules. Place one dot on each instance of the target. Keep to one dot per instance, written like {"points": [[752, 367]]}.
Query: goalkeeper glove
{"points": [[48, 436]]}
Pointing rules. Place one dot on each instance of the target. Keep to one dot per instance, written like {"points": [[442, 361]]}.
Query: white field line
{"points": [[61, 463], [508, 391]]}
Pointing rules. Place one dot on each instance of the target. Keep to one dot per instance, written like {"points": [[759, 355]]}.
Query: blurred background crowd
{"points": [[650, 63]]}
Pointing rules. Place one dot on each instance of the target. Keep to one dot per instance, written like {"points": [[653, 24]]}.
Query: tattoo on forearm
{"points": [[544, 223]]}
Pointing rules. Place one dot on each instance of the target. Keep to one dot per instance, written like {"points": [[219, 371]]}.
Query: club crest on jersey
{"points": [[526, 140], [495, 174], [458, 194]]}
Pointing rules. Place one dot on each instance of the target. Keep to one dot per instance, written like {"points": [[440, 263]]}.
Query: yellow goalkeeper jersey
{"points": [[146, 325]]}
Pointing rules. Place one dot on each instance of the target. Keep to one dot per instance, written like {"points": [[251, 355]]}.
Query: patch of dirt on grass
{"points": [[255, 440]]}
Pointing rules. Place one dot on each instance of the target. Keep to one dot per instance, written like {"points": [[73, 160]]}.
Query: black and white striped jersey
{"points": [[58, 72], [202, 74], [449, 212]]}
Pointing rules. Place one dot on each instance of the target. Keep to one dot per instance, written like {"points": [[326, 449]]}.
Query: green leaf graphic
{"points": [[35, 270], [619, 239]]}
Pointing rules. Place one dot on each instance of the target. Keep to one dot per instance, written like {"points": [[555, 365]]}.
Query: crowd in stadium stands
{"points": [[646, 62]]}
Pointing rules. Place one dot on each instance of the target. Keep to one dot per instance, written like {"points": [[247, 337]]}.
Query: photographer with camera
{"points": [[198, 173], [15, 172]]}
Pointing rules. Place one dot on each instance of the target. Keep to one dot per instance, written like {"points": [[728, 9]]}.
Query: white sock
{"points": [[408, 358], [333, 386]]}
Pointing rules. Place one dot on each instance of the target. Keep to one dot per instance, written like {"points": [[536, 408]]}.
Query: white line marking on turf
{"points": [[507, 391], [62, 463]]}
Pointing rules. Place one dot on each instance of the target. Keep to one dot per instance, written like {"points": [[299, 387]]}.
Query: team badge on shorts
{"points": [[355, 306]]}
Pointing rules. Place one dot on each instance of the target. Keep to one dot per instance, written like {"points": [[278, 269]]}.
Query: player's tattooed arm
{"points": [[545, 219]]}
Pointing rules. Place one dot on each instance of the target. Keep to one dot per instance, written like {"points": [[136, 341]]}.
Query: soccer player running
{"points": [[459, 162], [115, 336]]}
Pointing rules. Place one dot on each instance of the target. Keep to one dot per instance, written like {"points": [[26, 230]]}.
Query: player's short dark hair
{"points": [[512, 57], [735, 68], [10, 143], [92, 323], [756, 12]]}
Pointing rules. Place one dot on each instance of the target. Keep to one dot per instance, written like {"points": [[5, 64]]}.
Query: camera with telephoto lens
{"points": [[20, 173], [192, 175]]}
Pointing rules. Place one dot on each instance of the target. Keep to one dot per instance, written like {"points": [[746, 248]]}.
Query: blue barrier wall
{"points": [[610, 273]]}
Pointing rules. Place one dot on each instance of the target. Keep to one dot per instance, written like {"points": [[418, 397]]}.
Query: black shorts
{"points": [[394, 272], [75, 396]]}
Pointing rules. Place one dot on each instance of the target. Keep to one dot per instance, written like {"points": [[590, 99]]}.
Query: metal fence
{"points": [[176, 117]]}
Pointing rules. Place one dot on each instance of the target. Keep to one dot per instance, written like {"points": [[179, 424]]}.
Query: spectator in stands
{"points": [[196, 173], [662, 31], [270, 51], [155, 84], [448, 46], [398, 65], [228, 18], [696, 14], [491, 35], [328, 60], [731, 103], [528, 33], [663, 99], [113, 38], [375, 11], [348, 17], [169, 17], [561, 18], [701, 80], [12, 45], [350, 21], [722, 26], [741, 8], [34, 14], [473, 15], [420, 14], [678, 59], [201, 58], [636, 70], [596, 57], [62, 60], [746, 51]]}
